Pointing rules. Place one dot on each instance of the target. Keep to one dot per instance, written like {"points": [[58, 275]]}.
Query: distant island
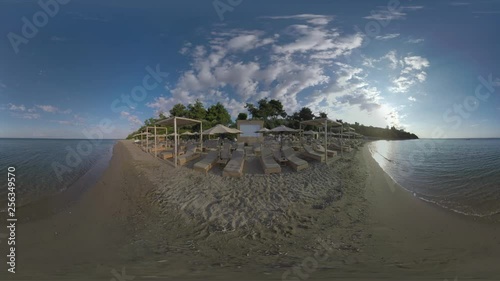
{"points": [[273, 115]]}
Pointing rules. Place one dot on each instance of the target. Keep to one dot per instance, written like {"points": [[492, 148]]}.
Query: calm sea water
{"points": [[48, 166], [458, 174]]}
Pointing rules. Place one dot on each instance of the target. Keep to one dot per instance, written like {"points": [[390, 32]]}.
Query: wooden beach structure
{"points": [[176, 123], [325, 123]]}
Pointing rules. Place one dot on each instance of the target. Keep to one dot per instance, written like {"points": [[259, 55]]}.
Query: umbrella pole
{"points": [[156, 141], [326, 141], [175, 141]]}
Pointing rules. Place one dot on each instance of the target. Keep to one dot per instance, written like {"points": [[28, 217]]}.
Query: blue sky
{"points": [[412, 64]]}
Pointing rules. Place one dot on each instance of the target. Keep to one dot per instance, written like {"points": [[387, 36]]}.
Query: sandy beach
{"points": [[345, 219]]}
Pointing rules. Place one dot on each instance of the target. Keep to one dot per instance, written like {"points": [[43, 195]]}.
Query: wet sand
{"points": [[346, 219]]}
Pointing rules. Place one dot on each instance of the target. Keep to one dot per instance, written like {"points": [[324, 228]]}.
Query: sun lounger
{"points": [[310, 153], [189, 155], [234, 167], [293, 161], [225, 154], [320, 149], [278, 156], [257, 147], [166, 154], [335, 146], [207, 163], [267, 161], [241, 146]]}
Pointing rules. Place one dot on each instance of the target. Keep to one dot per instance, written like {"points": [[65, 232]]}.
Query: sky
{"points": [[83, 69]]}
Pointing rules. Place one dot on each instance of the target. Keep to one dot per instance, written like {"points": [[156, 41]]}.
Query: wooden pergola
{"points": [[177, 122], [323, 122]]}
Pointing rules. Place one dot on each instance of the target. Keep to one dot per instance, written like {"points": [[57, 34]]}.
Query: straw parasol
{"points": [[221, 129], [263, 130], [281, 130]]}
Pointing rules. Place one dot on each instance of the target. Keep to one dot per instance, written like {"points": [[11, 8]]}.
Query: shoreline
{"points": [[452, 240], [493, 217], [54, 203], [372, 231]]}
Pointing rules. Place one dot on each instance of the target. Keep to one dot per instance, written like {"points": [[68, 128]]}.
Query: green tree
{"points": [[306, 114], [197, 111], [268, 110], [179, 110], [150, 122], [242, 116], [322, 115], [217, 114]]}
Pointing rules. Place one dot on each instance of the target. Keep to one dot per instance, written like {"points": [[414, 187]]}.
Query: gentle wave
{"points": [[461, 176], [34, 160]]}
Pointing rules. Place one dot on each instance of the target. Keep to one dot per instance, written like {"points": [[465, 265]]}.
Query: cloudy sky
{"points": [[430, 67]]}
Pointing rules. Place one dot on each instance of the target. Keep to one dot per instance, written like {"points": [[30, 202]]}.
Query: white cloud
{"points": [[411, 74], [415, 41], [392, 57], [302, 66], [309, 18], [416, 62], [133, 119], [295, 62], [496, 83], [24, 115], [412, 98], [14, 107], [52, 109], [387, 36], [386, 15], [62, 122]]}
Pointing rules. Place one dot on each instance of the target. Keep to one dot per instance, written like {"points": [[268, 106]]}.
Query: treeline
{"points": [[273, 115], [387, 133]]}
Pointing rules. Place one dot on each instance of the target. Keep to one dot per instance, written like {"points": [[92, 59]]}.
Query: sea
{"points": [[461, 175], [46, 167]]}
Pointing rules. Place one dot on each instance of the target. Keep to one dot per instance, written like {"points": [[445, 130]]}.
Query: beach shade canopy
{"points": [[310, 133], [177, 122], [282, 129], [221, 129], [325, 123], [321, 122], [263, 130]]}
